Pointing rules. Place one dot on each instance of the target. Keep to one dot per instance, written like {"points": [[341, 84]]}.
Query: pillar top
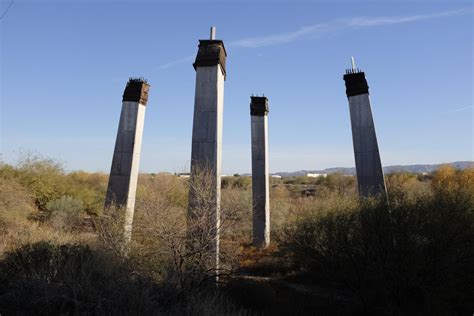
{"points": [[356, 83], [136, 91], [259, 106], [211, 53]]}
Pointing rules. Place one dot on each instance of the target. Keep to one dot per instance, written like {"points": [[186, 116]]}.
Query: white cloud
{"points": [[461, 109], [283, 38], [378, 21], [321, 29], [183, 60]]}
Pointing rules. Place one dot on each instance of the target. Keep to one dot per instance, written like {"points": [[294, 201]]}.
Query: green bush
{"points": [[45, 180], [43, 177], [90, 188]]}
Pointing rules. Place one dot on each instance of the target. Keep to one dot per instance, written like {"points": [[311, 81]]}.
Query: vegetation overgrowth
{"points": [[331, 253]]}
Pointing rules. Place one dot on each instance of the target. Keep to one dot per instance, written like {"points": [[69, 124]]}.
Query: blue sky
{"points": [[64, 65]]}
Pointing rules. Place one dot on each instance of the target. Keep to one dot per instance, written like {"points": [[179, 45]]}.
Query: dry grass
{"points": [[332, 239]]}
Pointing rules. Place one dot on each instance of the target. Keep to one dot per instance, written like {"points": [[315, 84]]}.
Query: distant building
{"points": [[275, 176], [316, 175], [183, 175], [164, 173]]}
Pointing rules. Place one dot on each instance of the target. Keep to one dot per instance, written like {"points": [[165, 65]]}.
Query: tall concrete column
{"points": [[370, 177], [206, 151], [122, 185], [260, 180]]}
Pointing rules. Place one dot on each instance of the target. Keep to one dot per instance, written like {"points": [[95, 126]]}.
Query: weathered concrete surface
{"points": [[206, 152], [260, 175], [122, 185], [370, 177]]}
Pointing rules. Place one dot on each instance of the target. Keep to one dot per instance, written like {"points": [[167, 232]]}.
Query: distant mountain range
{"points": [[387, 169]]}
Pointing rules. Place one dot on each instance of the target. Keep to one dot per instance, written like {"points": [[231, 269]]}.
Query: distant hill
{"points": [[387, 169]]}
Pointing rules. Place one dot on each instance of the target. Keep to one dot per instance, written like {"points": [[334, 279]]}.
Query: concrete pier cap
{"points": [[211, 52], [259, 106], [354, 78], [355, 82], [136, 90]]}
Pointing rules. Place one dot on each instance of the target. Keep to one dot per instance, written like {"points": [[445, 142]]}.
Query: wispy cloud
{"points": [[321, 29], [317, 30], [461, 109], [283, 38], [378, 21], [183, 60]]}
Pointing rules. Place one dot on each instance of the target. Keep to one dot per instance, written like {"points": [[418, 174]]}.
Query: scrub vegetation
{"points": [[331, 253]]}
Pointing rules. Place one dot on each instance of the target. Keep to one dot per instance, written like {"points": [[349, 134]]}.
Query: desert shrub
{"points": [[43, 177], [43, 278], [160, 224], [237, 182], [289, 180], [414, 257], [89, 188], [111, 233], [236, 226], [406, 185], [340, 183], [46, 180], [305, 180], [455, 186], [159, 212], [236, 207], [174, 190], [6, 171], [177, 245], [159, 240], [48, 279], [204, 227], [280, 206], [16, 203], [286, 209], [275, 181], [65, 212], [17, 211]]}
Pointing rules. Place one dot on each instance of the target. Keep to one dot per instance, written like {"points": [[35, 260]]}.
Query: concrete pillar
{"points": [[370, 177], [206, 151], [260, 179], [122, 185]]}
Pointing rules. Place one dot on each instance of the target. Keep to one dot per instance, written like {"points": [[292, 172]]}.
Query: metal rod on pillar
{"points": [[213, 32]]}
